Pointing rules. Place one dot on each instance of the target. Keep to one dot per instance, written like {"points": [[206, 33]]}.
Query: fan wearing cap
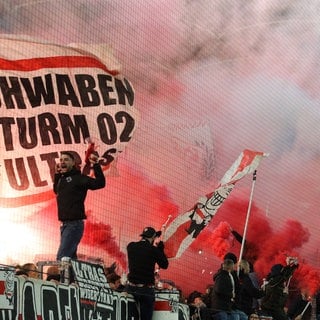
{"points": [[143, 256]]}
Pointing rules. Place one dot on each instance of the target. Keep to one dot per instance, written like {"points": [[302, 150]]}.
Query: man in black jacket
{"points": [[247, 290], [223, 294], [70, 187], [142, 258], [276, 289]]}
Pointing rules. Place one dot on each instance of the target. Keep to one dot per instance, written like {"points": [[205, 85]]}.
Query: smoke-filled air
{"points": [[211, 79]]}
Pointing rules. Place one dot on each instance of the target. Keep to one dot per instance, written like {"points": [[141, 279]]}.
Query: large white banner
{"points": [[53, 98]]}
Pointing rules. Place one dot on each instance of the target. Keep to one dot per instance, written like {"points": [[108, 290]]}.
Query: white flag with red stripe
{"points": [[187, 226]]}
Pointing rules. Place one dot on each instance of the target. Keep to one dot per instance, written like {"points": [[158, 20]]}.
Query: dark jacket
{"points": [[71, 190], [275, 298], [246, 294], [236, 283], [142, 258], [223, 291]]}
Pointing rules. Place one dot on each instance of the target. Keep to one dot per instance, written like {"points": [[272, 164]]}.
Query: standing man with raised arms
{"points": [[70, 187]]}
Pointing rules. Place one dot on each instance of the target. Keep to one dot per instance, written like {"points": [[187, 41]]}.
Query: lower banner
{"points": [[168, 307], [39, 299]]}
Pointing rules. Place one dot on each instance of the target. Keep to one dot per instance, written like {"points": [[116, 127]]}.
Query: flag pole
{"points": [[254, 178], [305, 309]]}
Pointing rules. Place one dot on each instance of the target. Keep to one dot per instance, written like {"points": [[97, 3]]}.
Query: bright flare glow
{"points": [[20, 242]]}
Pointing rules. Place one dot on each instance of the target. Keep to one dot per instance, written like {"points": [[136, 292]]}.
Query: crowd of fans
{"points": [[234, 294], [54, 272]]}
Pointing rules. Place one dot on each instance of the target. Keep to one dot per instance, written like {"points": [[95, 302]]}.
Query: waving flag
{"points": [[187, 226]]}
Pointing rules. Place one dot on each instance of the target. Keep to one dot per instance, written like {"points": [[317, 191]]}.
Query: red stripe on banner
{"points": [[54, 62], [173, 243], [200, 213], [26, 200], [20, 317], [247, 158], [87, 302], [2, 287], [162, 306]]}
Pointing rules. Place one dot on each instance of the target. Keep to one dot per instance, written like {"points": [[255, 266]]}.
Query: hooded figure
{"points": [[275, 271], [276, 291]]}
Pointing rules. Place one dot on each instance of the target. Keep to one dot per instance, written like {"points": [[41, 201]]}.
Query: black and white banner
{"points": [[52, 99]]}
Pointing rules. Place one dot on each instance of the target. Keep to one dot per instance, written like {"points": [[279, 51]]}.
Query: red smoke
{"points": [[278, 245], [265, 244], [221, 240], [308, 278], [154, 199], [100, 235]]}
